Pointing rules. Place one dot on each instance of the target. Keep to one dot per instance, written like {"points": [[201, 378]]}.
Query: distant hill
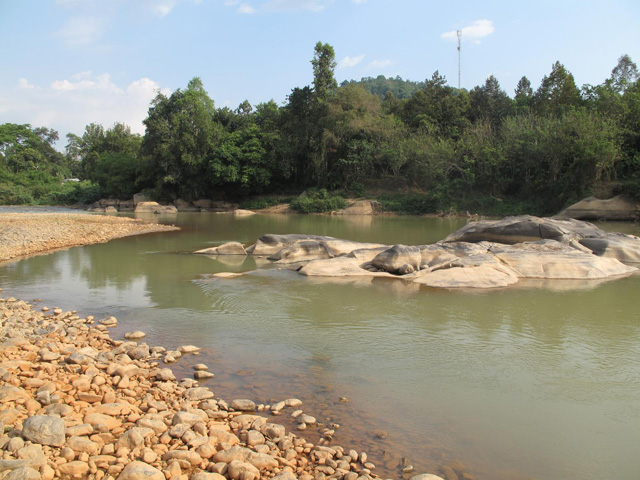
{"points": [[381, 85]]}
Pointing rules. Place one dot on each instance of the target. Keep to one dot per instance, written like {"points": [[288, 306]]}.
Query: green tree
{"points": [[180, 136], [557, 92], [489, 102], [324, 64]]}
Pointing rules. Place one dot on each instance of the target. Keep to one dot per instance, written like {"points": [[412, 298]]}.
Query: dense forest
{"points": [[417, 146]]}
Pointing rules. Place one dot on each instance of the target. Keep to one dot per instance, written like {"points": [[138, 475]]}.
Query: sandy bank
{"points": [[28, 233]]}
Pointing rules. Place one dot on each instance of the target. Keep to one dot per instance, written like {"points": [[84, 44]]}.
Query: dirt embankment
{"points": [[28, 233]]}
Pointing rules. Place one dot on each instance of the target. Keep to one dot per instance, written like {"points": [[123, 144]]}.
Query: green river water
{"points": [[536, 381]]}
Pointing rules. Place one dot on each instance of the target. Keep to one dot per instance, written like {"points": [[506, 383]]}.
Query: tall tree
{"points": [[324, 64], [624, 74], [180, 134], [557, 92], [490, 101], [523, 95]]}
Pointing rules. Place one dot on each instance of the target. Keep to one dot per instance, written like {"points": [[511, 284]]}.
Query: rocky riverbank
{"points": [[29, 233], [75, 403]]}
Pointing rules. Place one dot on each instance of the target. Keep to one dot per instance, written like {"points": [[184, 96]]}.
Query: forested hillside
{"points": [[451, 149]]}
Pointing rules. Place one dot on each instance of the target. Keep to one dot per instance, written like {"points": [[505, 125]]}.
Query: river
{"points": [[517, 383]]}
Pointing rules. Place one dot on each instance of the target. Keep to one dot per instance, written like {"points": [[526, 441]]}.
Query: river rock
{"points": [[154, 207], [625, 248], [301, 251], [285, 475], [553, 260], [426, 476], [137, 335], [197, 394], [229, 248], [188, 349], [524, 228], [270, 244], [207, 476], [397, 258], [243, 405], [238, 469], [192, 457], [140, 471], [360, 207], [620, 207], [242, 212], [23, 473], [9, 393], [45, 430]]}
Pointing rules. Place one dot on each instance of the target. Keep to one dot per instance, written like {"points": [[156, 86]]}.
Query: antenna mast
{"points": [[459, 33]]}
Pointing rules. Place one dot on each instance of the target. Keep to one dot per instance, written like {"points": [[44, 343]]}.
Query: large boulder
{"points": [[625, 248], [477, 271], [592, 208], [557, 261], [184, 206], [339, 267], [139, 198], [154, 207], [229, 248], [524, 228], [399, 259], [270, 243], [360, 207], [301, 251]]}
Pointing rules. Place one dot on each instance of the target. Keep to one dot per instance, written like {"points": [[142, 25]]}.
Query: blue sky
{"points": [[66, 63]]}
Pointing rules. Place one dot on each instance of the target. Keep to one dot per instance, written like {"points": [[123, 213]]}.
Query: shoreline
{"points": [[77, 403], [23, 234]]}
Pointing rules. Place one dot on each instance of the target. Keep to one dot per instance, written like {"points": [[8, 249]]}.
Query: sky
{"points": [[67, 63]]}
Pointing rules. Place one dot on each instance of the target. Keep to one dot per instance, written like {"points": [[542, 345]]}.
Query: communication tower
{"points": [[459, 33]]}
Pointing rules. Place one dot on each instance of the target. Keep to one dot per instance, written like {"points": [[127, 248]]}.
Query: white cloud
{"points": [[348, 62], [81, 30], [380, 63], [246, 8], [293, 5], [162, 8], [23, 83], [359, 2], [473, 32], [68, 105]]}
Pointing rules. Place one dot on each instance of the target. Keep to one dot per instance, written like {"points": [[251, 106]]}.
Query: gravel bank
{"points": [[28, 233], [75, 403]]}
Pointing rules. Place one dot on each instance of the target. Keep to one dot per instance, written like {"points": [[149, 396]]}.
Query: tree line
{"points": [[541, 148]]}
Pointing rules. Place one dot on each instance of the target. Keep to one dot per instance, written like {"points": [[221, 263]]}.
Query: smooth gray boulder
{"points": [[270, 244], [399, 259], [229, 248], [620, 246], [301, 251], [45, 430], [525, 228], [620, 207]]}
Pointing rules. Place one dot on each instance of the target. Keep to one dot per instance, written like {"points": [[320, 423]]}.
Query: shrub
{"points": [[318, 201]]}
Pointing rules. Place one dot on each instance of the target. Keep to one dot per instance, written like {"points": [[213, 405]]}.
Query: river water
{"points": [[529, 382]]}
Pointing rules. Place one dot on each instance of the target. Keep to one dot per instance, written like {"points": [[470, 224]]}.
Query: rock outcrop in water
{"points": [[483, 254]]}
